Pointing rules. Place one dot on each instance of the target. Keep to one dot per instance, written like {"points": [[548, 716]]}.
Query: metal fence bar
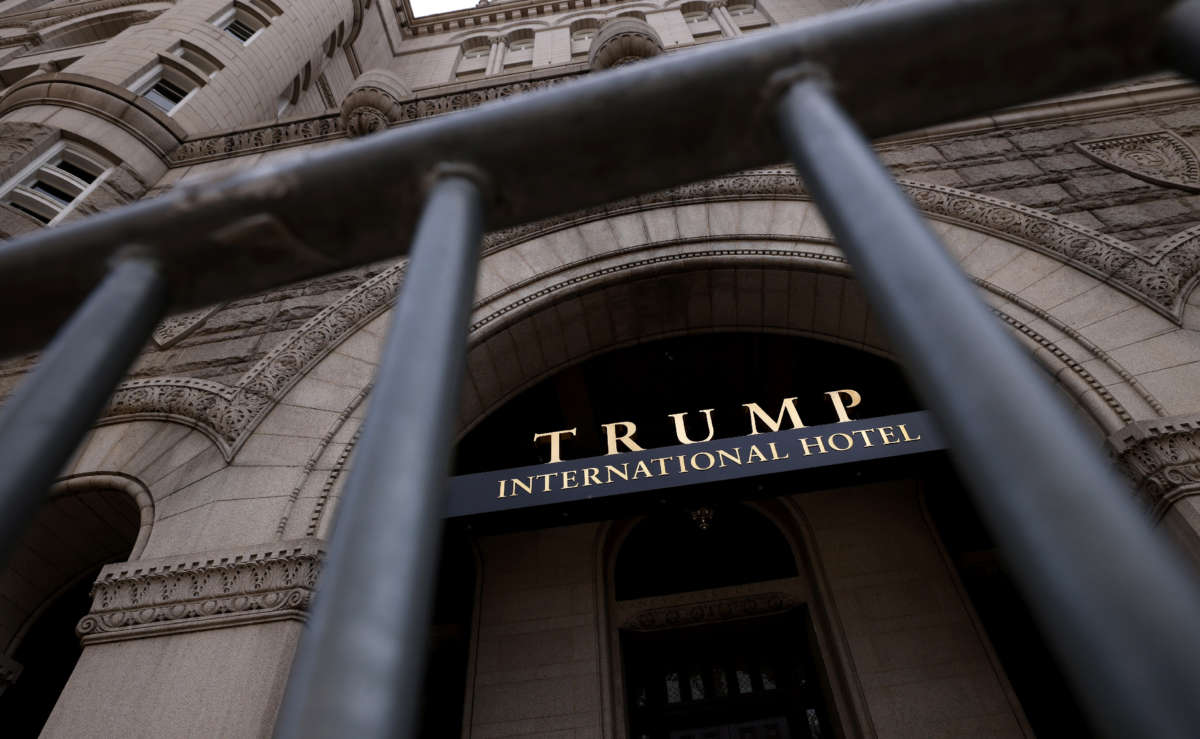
{"points": [[662, 122], [1119, 608], [360, 664], [42, 423]]}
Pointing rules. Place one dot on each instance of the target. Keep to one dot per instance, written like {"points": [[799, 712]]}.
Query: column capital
{"points": [[1161, 457], [170, 595]]}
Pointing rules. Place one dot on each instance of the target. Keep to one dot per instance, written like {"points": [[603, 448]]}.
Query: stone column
{"points": [[721, 15], [496, 57], [196, 645]]}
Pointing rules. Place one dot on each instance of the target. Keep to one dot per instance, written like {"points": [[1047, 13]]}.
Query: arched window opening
{"points": [[473, 60], [582, 33]]}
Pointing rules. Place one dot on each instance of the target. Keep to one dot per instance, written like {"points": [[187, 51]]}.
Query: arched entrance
{"points": [[819, 603], [45, 590]]}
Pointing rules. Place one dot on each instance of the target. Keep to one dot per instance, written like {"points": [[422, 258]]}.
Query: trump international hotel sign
{"points": [[774, 440]]}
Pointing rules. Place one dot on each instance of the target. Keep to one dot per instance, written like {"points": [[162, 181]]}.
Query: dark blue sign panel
{"points": [[693, 464]]}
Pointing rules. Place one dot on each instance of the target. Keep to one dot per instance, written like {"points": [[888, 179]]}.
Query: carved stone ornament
{"points": [[1160, 157], [623, 41], [131, 600], [713, 611], [375, 101], [174, 329], [1162, 459]]}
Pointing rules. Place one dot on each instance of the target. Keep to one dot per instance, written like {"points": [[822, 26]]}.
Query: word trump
{"points": [[620, 435]]}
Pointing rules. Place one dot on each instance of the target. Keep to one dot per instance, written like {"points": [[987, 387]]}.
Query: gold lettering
{"points": [[755, 452], [904, 431], [849, 442], [835, 396], [628, 429], [862, 434], [735, 456], [555, 448], [641, 470], [622, 473], [805, 442], [681, 429], [568, 479], [527, 487], [682, 467], [501, 495], [711, 461], [775, 452], [888, 435], [758, 414], [591, 476], [545, 481], [662, 465]]}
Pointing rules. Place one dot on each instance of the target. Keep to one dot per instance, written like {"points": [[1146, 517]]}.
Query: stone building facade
{"points": [[181, 545]]}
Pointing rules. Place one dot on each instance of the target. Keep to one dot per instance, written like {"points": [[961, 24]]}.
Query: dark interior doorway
{"points": [[747, 679]]}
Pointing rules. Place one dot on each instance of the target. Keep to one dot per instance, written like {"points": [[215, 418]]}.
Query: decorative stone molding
{"points": [[1160, 157], [133, 600], [623, 40], [258, 139], [374, 102], [174, 329], [713, 611], [10, 670], [329, 126], [1160, 279], [1162, 459]]}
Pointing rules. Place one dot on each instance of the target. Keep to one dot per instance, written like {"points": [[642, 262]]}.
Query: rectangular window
{"points": [[51, 186], [239, 30], [165, 94]]}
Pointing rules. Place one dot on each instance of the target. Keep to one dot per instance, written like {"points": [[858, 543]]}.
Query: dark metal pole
{"points": [[42, 423], [1181, 38], [360, 665], [1118, 606]]}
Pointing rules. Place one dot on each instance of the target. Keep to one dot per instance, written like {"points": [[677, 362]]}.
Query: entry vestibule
{"points": [[843, 578]]}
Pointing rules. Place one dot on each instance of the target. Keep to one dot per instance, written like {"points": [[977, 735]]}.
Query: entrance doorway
{"points": [[748, 679]]}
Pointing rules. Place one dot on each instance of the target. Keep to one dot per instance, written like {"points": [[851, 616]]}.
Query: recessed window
{"points": [[479, 52], [696, 16], [165, 94], [51, 186], [242, 22], [736, 10], [524, 44], [584, 35], [167, 84], [205, 63]]}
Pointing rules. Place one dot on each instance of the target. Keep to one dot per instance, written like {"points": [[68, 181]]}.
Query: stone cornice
{"points": [[329, 126], [229, 415], [172, 595], [494, 12], [104, 100], [1162, 459]]}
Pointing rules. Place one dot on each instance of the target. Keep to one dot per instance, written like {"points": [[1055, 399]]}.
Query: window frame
{"points": [[20, 191]]}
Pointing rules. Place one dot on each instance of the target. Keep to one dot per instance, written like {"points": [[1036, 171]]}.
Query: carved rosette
{"points": [[374, 102], [1160, 157], [623, 41], [144, 598], [1161, 458]]}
